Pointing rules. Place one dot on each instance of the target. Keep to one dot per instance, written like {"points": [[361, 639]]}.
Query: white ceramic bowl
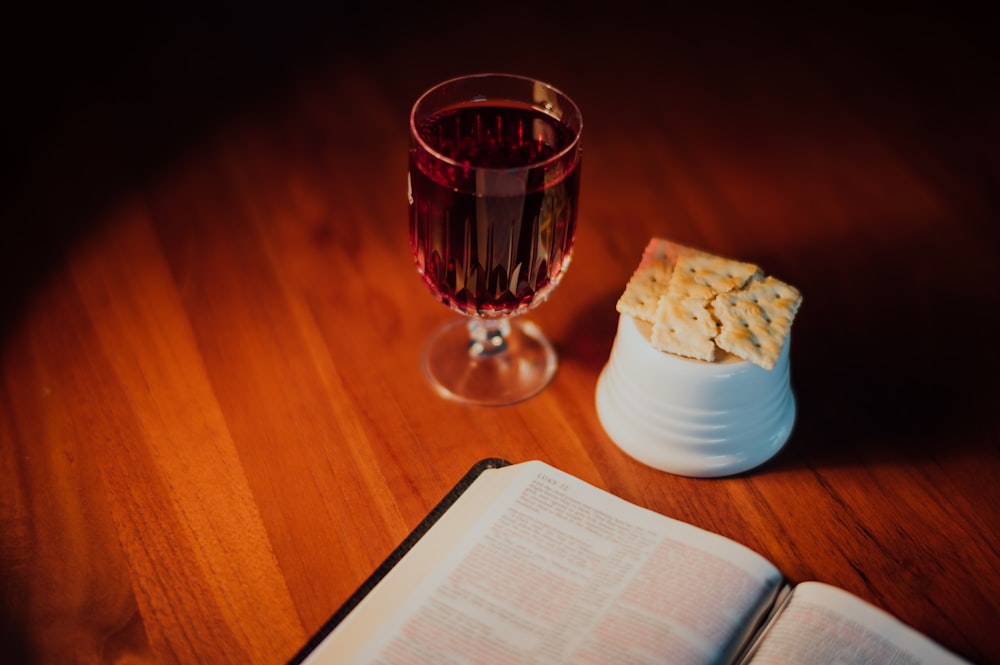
{"points": [[691, 417]]}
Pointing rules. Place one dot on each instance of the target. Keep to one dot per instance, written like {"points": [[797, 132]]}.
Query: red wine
{"points": [[493, 206]]}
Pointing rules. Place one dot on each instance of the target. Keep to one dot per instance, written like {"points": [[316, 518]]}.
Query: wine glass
{"points": [[494, 178]]}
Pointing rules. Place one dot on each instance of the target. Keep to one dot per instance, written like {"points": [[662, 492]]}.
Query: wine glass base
{"points": [[495, 370]]}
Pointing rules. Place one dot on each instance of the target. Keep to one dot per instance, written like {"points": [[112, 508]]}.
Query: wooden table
{"points": [[213, 421]]}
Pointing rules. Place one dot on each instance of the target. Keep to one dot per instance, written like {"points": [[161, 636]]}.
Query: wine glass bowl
{"points": [[494, 175]]}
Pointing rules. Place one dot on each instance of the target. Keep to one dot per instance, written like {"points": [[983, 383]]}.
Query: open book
{"points": [[525, 563]]}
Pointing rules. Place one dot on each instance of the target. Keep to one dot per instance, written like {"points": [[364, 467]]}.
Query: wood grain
{"points": [[213, 421]]}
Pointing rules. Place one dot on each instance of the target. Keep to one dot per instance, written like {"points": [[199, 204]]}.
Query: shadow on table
{"points": [[893, 373]]}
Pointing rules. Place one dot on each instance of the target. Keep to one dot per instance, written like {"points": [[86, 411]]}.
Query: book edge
{"points": [[396, 555]]}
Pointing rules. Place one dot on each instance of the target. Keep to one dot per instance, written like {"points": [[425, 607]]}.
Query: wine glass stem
{"points": [[488, 337]]}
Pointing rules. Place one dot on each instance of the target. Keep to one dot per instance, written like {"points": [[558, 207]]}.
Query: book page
{"points": [[822, 624], [538, 566]]}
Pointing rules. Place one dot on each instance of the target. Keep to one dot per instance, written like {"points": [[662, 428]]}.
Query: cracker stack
{"points": [[698, 302]]}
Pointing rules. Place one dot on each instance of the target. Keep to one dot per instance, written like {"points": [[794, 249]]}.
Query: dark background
{"points": [[97, 95]]}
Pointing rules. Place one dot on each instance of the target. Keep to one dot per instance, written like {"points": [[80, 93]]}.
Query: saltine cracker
{"points": [[651, 278], [706, 276], [755, 321], [685, 327]]}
